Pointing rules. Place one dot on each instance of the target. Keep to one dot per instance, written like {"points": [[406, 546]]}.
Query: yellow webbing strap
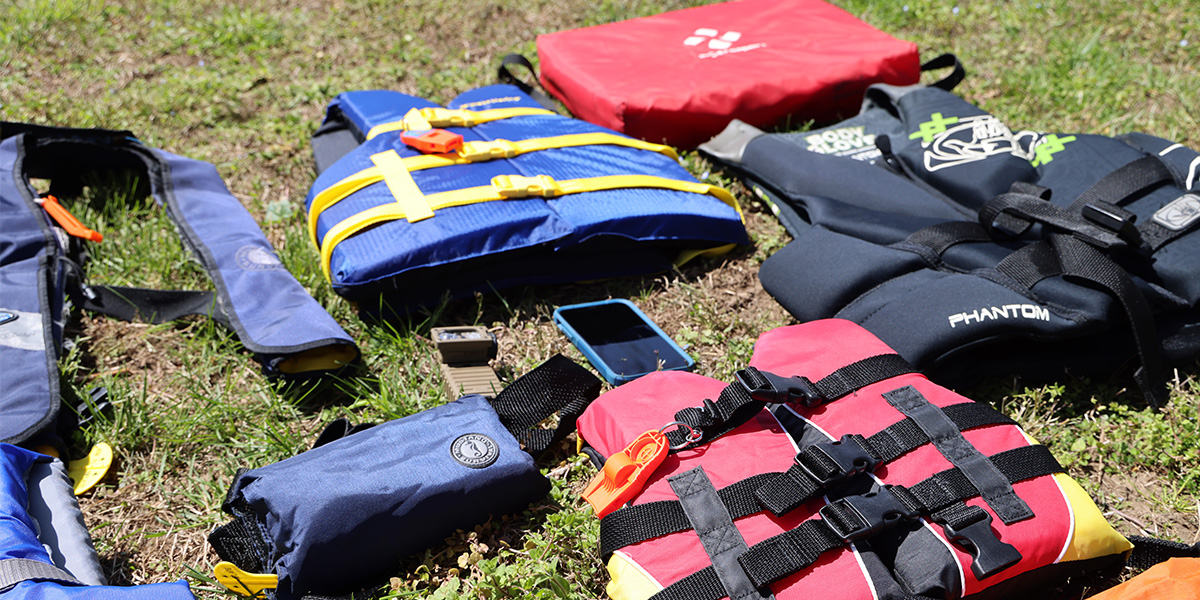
{"points": [[436, 116], [509, 187], [471, 152], [400, 183]]}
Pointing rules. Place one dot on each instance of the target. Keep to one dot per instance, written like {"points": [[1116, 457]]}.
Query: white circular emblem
{"points": [[474, 450], [254, 258]]}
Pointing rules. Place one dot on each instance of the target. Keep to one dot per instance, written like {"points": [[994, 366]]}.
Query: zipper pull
{"points": [[884, 143], [67, 221]]}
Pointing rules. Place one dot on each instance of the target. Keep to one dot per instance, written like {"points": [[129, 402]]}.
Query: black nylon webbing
{"points": [[1081, 260], [1027, 209], [942, 236], [862, 373], [149, 305], [242, 542], [796, 486], [736, 404], [1031, 264], [641, 522], [784, 554], [947, 437], [557, 385], [718, 535], [1124, 184], [1148, 551]]}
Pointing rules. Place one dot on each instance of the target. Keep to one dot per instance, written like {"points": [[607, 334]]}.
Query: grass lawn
{"points": [[243, 85]]}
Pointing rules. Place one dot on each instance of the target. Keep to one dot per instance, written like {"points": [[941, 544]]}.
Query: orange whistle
{"points": [[626, 472], [67, 221], [432, 141]]}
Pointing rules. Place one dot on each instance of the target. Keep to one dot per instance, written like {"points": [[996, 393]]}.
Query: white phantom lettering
{"points": [[1007, 311]]}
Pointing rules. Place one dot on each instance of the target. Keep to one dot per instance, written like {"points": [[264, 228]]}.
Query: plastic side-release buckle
{"points": [[243, 583], [491, 150], [626, 472], [519, 186], [67, 221], [857, 517], [769, 387], [850, 455], [432, 141], [437, 116], [1115, 219], [989, 554]]}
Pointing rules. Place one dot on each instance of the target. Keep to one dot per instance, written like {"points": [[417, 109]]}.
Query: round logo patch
{"points": [[253, 258], [474, 450]]}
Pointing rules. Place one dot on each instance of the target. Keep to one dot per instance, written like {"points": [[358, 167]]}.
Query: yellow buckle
{"points": [[243, 583], [445, 117], [482, 151], [518, 186]]}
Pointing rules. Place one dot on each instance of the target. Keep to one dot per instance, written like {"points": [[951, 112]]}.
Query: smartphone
{"points": [[619, 340]]}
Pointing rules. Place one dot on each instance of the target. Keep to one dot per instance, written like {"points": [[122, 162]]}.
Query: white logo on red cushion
{"points": [[716, 40]]}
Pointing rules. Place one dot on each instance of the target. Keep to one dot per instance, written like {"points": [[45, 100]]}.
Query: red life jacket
{"points": [[881, 526]]}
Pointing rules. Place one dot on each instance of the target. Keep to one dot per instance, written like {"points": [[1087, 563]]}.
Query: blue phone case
{"points": [[621, 346]]}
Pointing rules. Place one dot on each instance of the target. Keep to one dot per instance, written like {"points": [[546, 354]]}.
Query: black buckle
{"points": [[769, 387], [874, 512], [989, 554], [852, 454], [1115, 219]]}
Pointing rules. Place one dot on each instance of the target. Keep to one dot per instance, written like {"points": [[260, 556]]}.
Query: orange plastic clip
{"points": [[432, 141], [626, 472], [67, 221]]}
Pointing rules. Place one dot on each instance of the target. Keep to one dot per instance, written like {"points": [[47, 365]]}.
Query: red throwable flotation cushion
{"points": [[680, 77]]}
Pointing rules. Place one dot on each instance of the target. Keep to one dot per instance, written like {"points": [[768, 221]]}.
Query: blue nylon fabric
{"points": [[48, 590], [287, 319], [479, 230], [18, 539], [18, 534], [348, 510], [27, 345]]}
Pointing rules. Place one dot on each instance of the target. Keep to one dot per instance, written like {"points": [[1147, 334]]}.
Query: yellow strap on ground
{"points": [[436, 116], [510, 187], [400, 183], [471, 152], [686, 256]]}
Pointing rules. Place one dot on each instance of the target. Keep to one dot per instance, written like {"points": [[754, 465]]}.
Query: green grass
{"points": [[243, 85]]}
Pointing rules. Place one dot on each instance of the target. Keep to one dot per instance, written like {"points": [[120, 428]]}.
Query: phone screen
{"points": [[622, 339]]}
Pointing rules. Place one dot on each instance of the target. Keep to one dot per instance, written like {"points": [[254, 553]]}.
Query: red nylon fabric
{"points": [[680, 77], [812, 349]]}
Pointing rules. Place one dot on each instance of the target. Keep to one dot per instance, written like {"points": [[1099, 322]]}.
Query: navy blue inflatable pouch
{"points": [[336, 518], [48, 555]]}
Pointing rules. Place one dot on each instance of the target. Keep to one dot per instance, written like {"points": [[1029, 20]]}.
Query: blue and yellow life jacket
{"points": [[530, 197]]}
